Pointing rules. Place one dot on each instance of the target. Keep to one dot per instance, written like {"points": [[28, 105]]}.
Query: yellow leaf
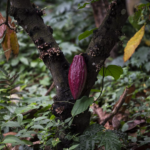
{"points": [[14, 43], [133, 44]]}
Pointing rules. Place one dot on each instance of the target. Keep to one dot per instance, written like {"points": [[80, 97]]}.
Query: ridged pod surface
{"points": [[77, 76]]}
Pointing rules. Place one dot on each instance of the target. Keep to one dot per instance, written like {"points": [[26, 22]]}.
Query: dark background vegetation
{"points": [[33, 80]]}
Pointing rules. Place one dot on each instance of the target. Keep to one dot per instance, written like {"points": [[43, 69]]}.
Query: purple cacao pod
{"points": [[77, 76]]}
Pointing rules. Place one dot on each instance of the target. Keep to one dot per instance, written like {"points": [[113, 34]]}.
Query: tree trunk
{"points": [[104, 39]]}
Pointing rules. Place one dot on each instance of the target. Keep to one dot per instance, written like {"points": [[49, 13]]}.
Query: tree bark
{"points": [[104, 39], [99, 11]]}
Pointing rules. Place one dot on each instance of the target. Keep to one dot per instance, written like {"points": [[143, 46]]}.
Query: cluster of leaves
{"points": [[14, 117], [99, 136], [114, 88], [8, 87]]}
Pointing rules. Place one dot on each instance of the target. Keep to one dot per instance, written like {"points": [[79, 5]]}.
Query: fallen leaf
{"points": [[133, 124]]}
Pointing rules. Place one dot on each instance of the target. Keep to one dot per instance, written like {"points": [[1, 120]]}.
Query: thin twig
{"points": [[3, 23], [49, 90], [117, 107], [102, 81], [64, 102], [7, 14], [6, 147], [7, 10]]}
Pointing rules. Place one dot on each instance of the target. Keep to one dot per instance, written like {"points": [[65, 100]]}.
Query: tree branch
{"points": [[30, 19], [103, 41], [7, 14], [117, 107], [49, 90], [99, 48]]}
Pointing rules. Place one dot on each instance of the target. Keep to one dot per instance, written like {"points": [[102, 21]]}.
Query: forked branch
{"points": [[7, 14]]}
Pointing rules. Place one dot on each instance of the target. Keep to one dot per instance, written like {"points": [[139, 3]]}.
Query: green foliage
{"points": [[134, 19], [113, 89], [8, 83], [111, 70], [81, 105], [97, 135], [86, 34], [141, 57], [84, 5], [15, 140], [34, 78], [141, 6], [141, 16]]}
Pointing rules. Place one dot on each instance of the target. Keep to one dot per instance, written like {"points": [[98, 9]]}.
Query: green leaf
{"points": [[45, 81], [35, 99], [52, 117], [55, 142], [94, 1], [19, 118], [95, 90], [86, 34], [24, 60], [6, 117], [81, 105], [23, 109], [1, 69], [73, 147], [11, 108], [68, 48], [39, 118], [37, 127], [11, 124], [2, 147], [15, 140], [147, 66], [14, 62], [110, 140], [34, 64], [134, 20], [125, 127], [98, 135], [83, 6], [24, 133], [112, 70]]}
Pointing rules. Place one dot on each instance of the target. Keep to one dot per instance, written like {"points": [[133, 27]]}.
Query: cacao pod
{"points": [[77, 76]]}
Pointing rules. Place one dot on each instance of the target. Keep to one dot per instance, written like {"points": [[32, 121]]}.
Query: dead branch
{"points": [[49, 90], [118, 106]]}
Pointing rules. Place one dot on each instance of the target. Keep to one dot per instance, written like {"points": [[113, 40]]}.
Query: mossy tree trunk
{"points": [[104, 39]]}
